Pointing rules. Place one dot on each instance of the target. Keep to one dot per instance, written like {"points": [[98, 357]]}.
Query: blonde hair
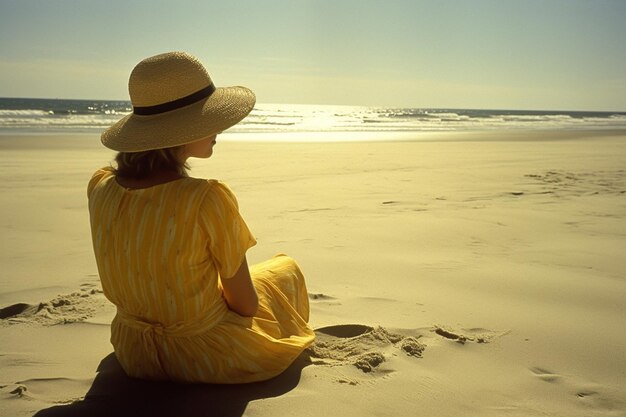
{"points": [[143, 164]]}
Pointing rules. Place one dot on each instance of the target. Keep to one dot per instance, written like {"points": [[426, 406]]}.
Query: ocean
{"points": [[27, 116]]}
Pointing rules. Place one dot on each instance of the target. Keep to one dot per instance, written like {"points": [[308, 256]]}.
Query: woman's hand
{"points": [[239, 292]]}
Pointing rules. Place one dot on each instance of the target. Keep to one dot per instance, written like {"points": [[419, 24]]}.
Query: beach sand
{"points": [[459, 274]]}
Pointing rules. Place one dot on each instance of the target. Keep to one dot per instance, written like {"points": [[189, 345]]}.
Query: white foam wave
{"points": [[32, 120], [24, 113], [308, 118]]}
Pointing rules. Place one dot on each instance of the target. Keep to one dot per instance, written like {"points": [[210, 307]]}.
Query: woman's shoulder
{"points": [[99, 177], [214, 191], [209, 185]]}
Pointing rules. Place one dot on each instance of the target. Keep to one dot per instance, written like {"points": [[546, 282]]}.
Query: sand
{"points": [[474, 274]]}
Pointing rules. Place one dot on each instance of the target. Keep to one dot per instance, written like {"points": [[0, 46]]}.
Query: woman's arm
{"points": [[239, 292]]}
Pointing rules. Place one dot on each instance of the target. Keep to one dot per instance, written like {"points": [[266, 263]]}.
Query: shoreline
{"points": [[92, 139]]}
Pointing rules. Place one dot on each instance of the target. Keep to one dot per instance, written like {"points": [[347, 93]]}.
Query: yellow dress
{"points": [[160, 253]]}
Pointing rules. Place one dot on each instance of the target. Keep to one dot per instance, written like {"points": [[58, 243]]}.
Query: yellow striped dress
{"points": [[160, 253]]}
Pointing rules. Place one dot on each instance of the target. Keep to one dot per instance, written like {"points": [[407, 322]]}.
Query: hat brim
{"points": [[223, 109]]}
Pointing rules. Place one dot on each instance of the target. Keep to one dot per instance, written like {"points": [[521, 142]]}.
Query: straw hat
{"points": [[175, 103]]}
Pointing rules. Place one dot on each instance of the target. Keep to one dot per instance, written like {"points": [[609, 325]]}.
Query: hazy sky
{"points": [[525, 54]]}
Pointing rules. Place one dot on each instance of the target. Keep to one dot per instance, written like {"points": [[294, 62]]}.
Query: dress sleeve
{"points": [[229, 236], [97, 177]]}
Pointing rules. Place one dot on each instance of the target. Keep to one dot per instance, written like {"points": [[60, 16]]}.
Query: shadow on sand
{"points": [[115, 394]]}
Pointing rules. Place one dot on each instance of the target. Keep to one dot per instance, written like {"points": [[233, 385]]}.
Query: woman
{"points": [[171, 249]]}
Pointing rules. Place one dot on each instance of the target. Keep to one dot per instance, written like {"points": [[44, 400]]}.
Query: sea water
{"points": [[27, 116]]}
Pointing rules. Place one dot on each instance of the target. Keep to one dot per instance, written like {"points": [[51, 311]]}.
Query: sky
{"points": [[489, 54]]}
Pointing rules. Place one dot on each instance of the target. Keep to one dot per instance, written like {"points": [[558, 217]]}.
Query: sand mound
{"points": [[69, 308], [366, 348], [361, 346]]}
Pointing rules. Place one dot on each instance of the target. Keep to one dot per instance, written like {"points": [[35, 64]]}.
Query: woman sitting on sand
{"points": [[171, 249]]}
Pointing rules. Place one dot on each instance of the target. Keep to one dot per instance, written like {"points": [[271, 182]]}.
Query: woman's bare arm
{"points": [[239, 292]]}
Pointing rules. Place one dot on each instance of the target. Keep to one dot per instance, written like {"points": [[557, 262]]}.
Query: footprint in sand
{"points": [[14, 310], [585, 393], [323, 299], [563, 183], [463, 336], [320, 297], [19, 390], [545, 375]]}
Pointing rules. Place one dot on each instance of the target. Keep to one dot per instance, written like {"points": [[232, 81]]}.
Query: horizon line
{"points": [[359, 105]]}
